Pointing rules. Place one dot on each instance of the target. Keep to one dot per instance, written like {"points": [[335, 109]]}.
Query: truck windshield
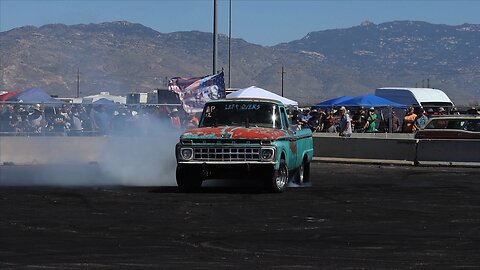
{"points": [[246, 114]]}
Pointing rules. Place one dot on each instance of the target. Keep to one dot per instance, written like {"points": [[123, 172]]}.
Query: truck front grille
{"points": [[226, 154]]}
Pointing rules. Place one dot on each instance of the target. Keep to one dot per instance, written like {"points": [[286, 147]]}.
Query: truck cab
{"points": [[246, 138]]}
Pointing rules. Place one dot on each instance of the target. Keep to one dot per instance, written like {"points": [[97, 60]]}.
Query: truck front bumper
{"points": [[223, 170]]}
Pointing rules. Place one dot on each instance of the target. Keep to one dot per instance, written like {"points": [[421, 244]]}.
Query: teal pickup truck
{"points": [[244, 138]]}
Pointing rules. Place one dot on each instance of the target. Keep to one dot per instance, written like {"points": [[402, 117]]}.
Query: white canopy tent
{"points": [[257, 92], [106, 95]]}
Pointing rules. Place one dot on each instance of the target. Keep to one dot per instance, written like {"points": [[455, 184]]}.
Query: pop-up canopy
{"points": [[34, 95], [328, 104], [7, 95], [370, 100], [257, 92]]}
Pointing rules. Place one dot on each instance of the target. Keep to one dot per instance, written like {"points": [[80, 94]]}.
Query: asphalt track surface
{"points": [[352, 217]]}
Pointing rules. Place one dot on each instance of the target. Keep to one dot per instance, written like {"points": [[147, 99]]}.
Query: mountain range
{"points": [[122, 57]]}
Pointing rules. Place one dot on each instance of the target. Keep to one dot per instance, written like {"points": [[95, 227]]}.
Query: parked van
{"points": [[425, 98]]}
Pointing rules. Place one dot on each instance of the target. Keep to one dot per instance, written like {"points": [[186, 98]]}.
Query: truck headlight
{"points": [[267, 153], [186, 153]]}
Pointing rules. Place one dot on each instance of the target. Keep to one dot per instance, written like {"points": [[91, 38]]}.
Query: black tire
{"points": [[303, 173], [278, 183], [188, 181]]}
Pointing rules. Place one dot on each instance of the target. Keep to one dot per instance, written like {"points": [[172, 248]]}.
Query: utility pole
{"points": [[215, 38], [78, 82], [283, 72], [229, 43]]}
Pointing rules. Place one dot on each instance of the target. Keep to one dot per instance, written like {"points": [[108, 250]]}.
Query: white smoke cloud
{"points": [[142, 154]]}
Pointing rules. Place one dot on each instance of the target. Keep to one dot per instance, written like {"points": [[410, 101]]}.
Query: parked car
{"points": [[451, 127]]}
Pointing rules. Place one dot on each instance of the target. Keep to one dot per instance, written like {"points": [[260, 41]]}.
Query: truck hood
{"points": [[234, 133]]}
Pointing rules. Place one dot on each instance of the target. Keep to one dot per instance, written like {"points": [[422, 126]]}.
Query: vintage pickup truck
{"points": [[244, 139]]}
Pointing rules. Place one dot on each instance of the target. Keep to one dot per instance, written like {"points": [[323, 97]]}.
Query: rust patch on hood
{"points": [[235, 133]]}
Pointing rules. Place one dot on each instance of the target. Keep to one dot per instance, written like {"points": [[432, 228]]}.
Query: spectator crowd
{"points": [[17, 119], [90, 120], [370, 120]]}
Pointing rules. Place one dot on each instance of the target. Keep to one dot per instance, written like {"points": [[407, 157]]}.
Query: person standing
{"points": [[58, 123], [175, 120], [9, 120], [76, 122], [102, 120], [421, 120], [345, 123], [395, 122], [409, 121], [315, 122], [359, 120], [36, 119], [328, 122], [371, 125]]}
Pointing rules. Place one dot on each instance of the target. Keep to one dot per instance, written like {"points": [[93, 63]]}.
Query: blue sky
{"points": [[264, 22]]}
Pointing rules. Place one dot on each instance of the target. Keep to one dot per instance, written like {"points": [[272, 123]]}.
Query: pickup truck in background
{"points": [[250, 139]]}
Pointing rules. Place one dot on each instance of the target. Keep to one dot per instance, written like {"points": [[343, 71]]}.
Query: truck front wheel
{"points": [[278, 183], [188, 181]]}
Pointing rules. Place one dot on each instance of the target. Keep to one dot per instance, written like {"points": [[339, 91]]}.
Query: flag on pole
{"points": [[195, 92]]}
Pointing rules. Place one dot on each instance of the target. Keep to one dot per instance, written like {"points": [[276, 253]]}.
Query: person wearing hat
{"points": [[430, 112], [315, 122], [371, 125], [345, 123], [441, 111], [455, 111], [36, 119]]}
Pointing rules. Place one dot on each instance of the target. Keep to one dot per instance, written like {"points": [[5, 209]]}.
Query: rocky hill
{"points": [[122, 57]]}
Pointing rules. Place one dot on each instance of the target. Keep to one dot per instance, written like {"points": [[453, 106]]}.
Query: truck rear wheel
{"points": [[303, 172], [278, 183], [188, 181]]}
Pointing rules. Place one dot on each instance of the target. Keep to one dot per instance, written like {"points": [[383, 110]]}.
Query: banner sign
{"points": [[195, 92]]}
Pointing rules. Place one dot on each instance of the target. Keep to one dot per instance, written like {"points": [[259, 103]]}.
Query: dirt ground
{"points": [[352, 217]]}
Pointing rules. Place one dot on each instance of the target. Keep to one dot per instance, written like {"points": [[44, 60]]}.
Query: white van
{"points": [[425, 98]]}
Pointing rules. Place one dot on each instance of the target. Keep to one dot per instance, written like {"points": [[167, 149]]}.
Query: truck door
{"points": [[292, 142]]}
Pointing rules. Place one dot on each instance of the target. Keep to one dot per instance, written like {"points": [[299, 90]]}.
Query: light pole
{"points": [[78, 82], [215, 39], [283, 72]]}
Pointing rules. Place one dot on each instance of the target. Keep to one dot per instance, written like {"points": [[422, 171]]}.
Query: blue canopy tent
{"points": [[330, 103], [34, 95], [370, 100]]}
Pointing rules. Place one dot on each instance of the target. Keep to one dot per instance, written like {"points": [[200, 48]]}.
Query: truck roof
{"points": [[422, 94]]}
